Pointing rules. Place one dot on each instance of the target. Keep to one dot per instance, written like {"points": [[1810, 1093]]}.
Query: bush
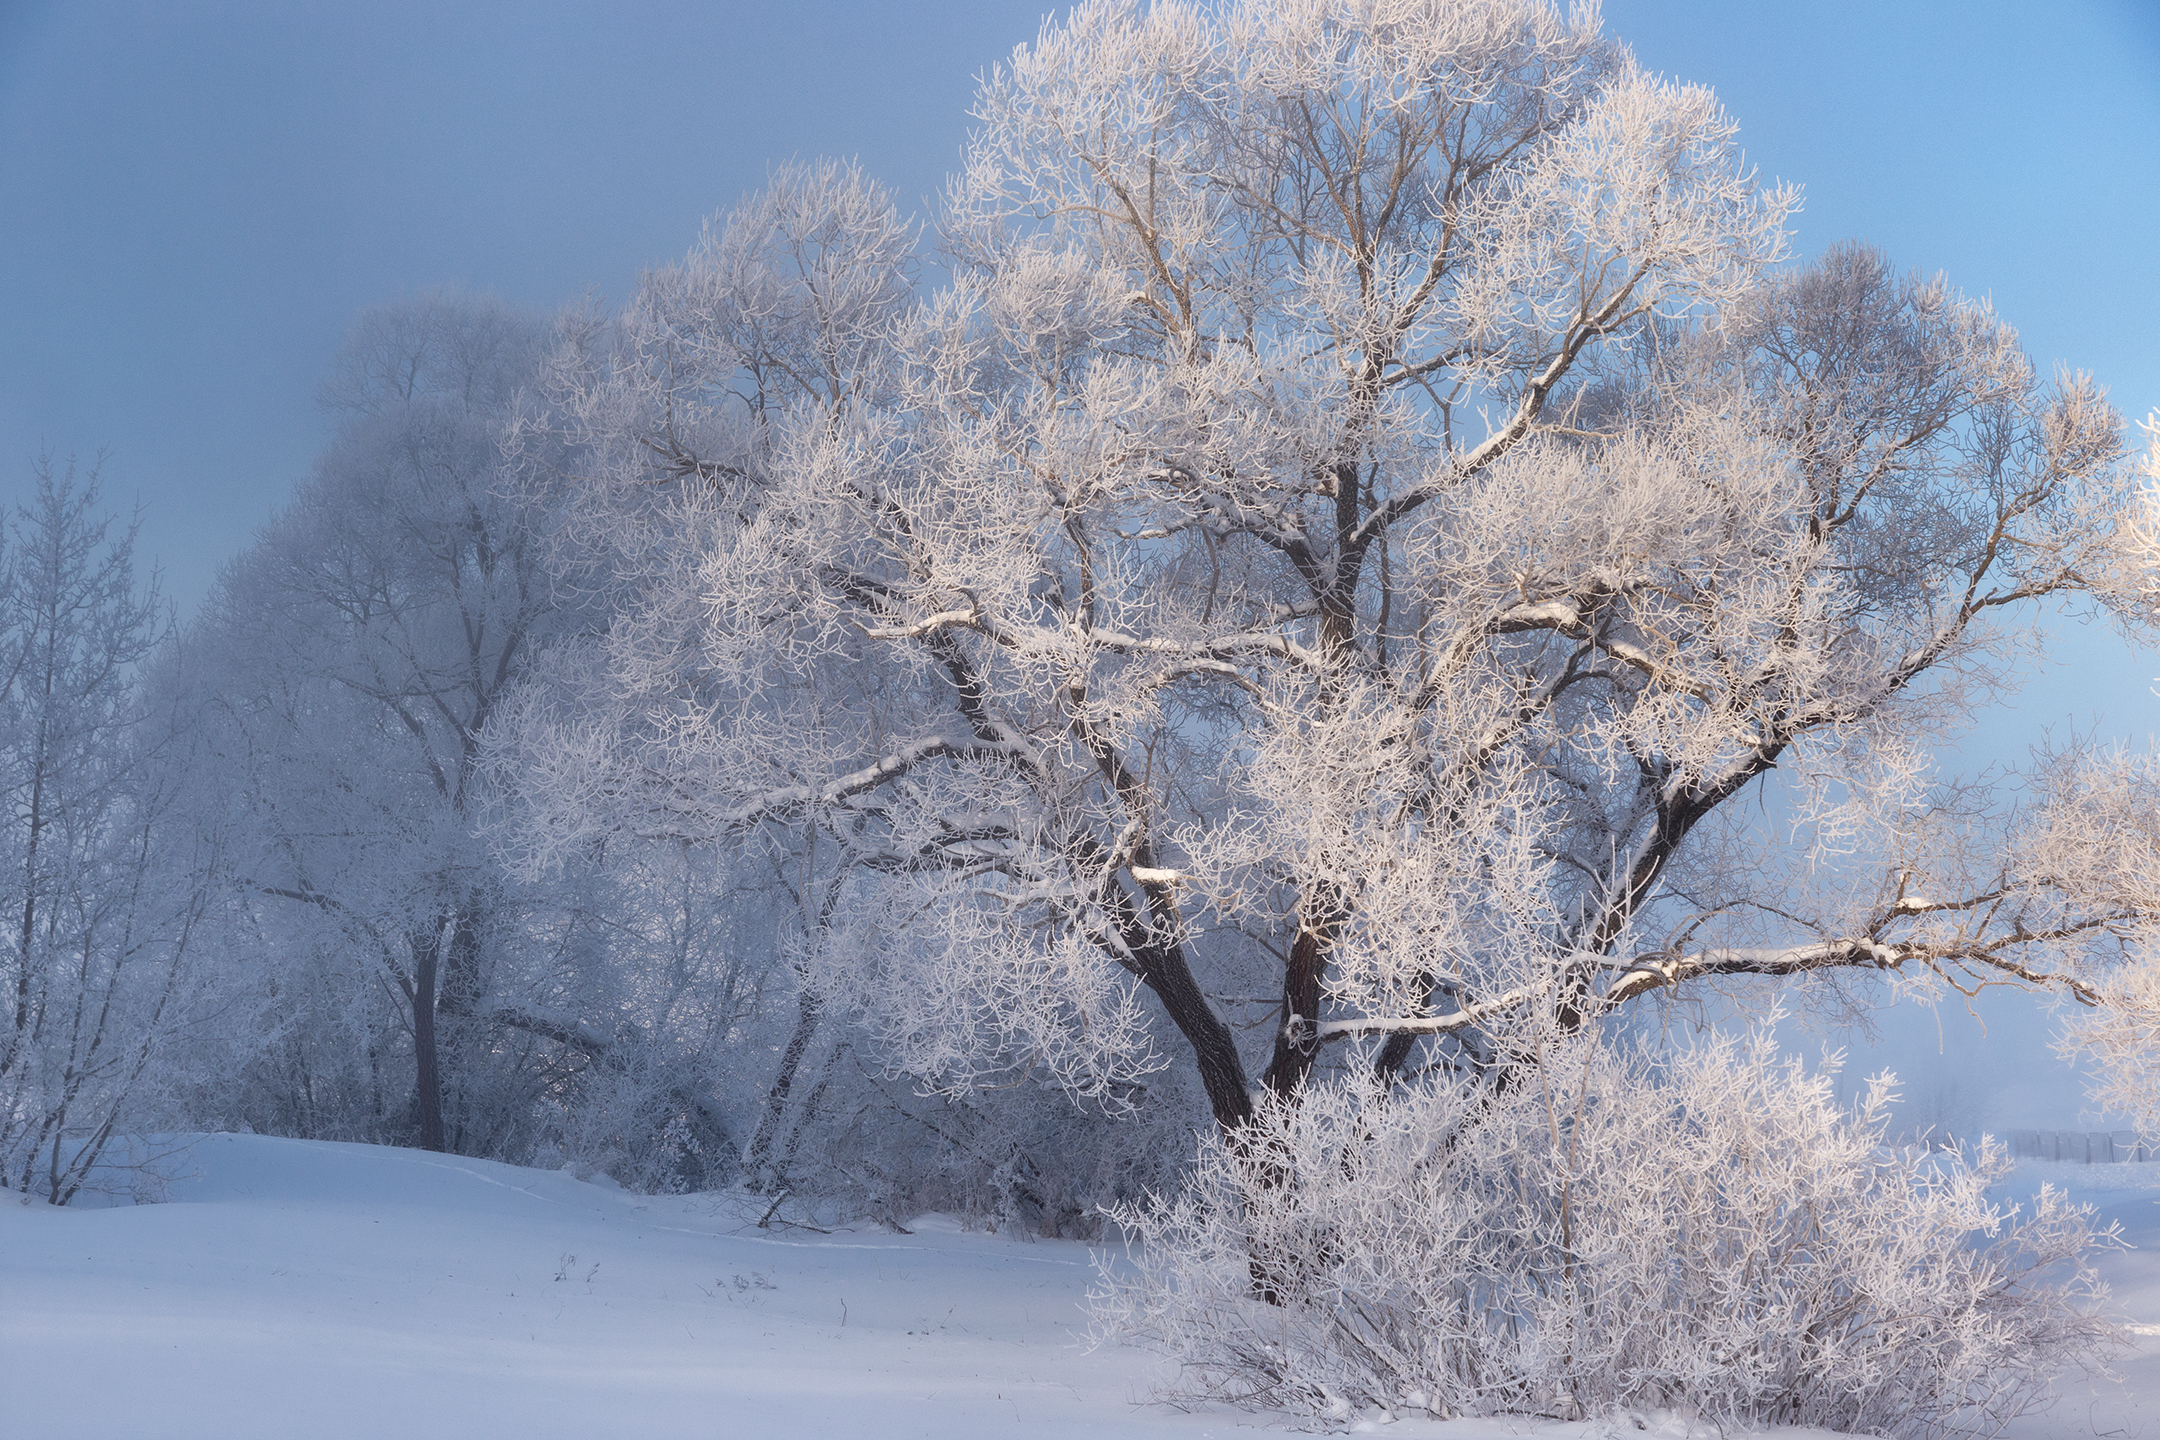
{"points": [[1023, 1158], [1708, 1232]]}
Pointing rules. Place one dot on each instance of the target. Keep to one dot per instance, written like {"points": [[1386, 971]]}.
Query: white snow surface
{"points": [[305, 1288]]}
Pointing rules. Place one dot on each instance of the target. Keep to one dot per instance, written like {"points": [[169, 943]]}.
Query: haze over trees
{"points": [[1287, 640]]}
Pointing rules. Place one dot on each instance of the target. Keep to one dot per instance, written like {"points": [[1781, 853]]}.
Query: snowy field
{"points": [[307, 1289]]}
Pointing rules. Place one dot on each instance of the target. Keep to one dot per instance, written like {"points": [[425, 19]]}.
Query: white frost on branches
{"points": [[1708, 1230], [1363, 504], [2111, 809]]}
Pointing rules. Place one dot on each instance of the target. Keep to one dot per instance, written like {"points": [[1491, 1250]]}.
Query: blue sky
{"points": [[195, 199]]}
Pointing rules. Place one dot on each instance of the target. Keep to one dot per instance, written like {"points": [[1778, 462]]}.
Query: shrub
{"points": [[1709, 1232]]}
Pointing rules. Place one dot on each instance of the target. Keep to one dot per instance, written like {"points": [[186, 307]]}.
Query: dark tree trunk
{"points": [[1222, 1070], [462, 982], [1159, 962], [1297, 1040], [806, 1023], [802, 1121], [427, 1081]]}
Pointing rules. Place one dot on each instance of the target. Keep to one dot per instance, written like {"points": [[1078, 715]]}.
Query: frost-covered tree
{"points": [[104, 875], [671, 410], [2099, 831], [370, 631], [358, 653], [1366, 506]]}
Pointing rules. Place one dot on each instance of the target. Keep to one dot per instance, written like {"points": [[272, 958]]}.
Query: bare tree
{"points": [[105, 884]]}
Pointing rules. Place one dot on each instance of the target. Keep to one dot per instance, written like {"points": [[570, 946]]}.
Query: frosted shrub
{"points": [[1709, 1232]]}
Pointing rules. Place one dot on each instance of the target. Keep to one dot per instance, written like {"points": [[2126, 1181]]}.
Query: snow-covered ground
{"points": [[306, 1289], [2127, 1409]]}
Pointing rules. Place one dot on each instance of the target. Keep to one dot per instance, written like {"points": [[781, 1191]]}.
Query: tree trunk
{"points": [[1159, 961], [1222, 1071], [427, 1083], [1297, 1043], [806, 1023], [809, 1113], [462, 984], [1297, 1039], [34, 824]]}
